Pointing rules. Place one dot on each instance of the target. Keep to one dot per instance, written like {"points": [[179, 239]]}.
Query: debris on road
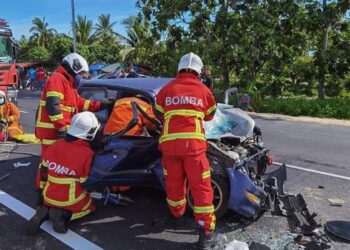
{"points": [[237, 245], [104, 220], [4, 176], [336, 202]]}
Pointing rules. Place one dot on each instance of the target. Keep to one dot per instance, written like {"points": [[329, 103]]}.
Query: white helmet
{"points": [[84, 126], [191, 61], [77, 63]]}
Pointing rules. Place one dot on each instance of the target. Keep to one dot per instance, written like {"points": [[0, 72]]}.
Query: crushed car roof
{"points": [[144, 84]]}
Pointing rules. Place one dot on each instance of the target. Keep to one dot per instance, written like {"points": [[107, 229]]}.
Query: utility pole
{"points": [[324, 51], [73, 28]]}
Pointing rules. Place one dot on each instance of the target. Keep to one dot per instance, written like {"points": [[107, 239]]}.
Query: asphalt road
{"points": [[143, 225]]}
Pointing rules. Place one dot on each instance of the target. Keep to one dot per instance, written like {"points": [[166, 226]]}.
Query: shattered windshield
{"points": [[5, 49]]}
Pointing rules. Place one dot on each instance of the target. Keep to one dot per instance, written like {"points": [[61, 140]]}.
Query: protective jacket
{"points": [[66, 173], [58, 103], [184, 103], [10, 112], [122, 114]]}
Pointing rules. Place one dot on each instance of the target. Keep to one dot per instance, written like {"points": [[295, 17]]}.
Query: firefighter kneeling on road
{"points": [[65, 198], [183, 104], [9, 119]]}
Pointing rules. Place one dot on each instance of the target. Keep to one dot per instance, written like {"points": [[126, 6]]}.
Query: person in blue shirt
{"points": [[32, 78]]}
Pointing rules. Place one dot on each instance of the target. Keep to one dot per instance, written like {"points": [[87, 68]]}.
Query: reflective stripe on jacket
{"points": [[184, 103], [66, 173], [60, 85]]}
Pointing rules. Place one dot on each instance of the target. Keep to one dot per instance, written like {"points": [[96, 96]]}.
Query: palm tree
{"points": [[104, 27], [137, 31], [42, 35], [84, 29]]}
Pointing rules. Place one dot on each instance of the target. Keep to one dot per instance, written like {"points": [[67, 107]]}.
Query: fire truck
{"points": [[8, 55]]}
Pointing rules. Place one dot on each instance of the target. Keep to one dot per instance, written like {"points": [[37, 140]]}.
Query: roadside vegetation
{"points": [[278, 52]]}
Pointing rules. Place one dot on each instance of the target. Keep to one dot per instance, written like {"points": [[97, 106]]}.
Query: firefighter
{"points": [[58, 103], [183, 104], [9, 119], [65, 198], [122, 114]]}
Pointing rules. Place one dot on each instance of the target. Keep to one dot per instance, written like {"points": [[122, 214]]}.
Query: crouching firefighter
{"points": [[68, 162], [183, 104]]}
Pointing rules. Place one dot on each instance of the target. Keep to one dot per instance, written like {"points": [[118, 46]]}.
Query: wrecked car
{"points": [[235, 151]]}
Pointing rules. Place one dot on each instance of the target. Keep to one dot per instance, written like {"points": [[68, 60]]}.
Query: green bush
{"points": [[328, 108]]}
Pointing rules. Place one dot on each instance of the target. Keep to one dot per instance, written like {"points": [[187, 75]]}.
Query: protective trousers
{"points": [[196, 169]]}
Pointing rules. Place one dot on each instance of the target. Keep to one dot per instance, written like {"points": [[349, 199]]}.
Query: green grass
{"points": [[328, 108]]}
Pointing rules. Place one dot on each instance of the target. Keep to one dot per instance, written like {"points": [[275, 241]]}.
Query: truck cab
{"points": [[8, 55]]}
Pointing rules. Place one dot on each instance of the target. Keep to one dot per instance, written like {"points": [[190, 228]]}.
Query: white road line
{"points": [[24, 112], [313, 171], [71, 238]]}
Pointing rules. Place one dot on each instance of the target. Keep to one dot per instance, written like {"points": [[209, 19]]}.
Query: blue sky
{"points": [[20, 13]]}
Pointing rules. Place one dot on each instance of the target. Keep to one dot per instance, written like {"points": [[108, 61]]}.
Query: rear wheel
{"points": [[221, 195]]}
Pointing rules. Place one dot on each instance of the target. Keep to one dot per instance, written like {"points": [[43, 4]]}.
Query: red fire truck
{"points": [[8, 56]]}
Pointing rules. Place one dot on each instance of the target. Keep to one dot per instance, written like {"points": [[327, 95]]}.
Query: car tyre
{"points": [[221, 190]]}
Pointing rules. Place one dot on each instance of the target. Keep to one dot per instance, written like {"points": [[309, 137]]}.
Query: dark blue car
{"points": [[238, 159]]}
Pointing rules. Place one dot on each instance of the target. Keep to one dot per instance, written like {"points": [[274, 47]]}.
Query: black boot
{"points": [[207, 241], [41, 215], [60, 219]]}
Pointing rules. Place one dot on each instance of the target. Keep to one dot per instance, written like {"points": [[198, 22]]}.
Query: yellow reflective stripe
{"points": [[47, 141], [198, 126], [165, 172], [63, 180], [79, 215], [203, 210], [67, 108], [183, 112], [176, 203], [44, 163], [71, 198], [213, 221], [54, 94], [175, 136], [210, 110], [122, 103], [42, 184], [44, 125], [206, 174], [56, 117], [11, 118], [42, 103], [39, 123], [166, 127], [83, 179], [86, 105], [159, 108]]}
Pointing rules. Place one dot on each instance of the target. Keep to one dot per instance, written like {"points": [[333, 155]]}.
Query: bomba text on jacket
{"points": [[175, 100], [59, 169]]}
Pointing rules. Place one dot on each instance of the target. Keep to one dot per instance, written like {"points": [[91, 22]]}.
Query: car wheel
{"points": [[221, 195]]}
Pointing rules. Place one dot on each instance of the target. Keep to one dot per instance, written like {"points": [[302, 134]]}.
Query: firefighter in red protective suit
{"points": [[58, 103], [65, 198], [9, 119], [183, 105]]}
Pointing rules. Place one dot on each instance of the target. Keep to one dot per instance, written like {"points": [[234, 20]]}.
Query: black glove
{"points": [[61, 133], [107, 103]]}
